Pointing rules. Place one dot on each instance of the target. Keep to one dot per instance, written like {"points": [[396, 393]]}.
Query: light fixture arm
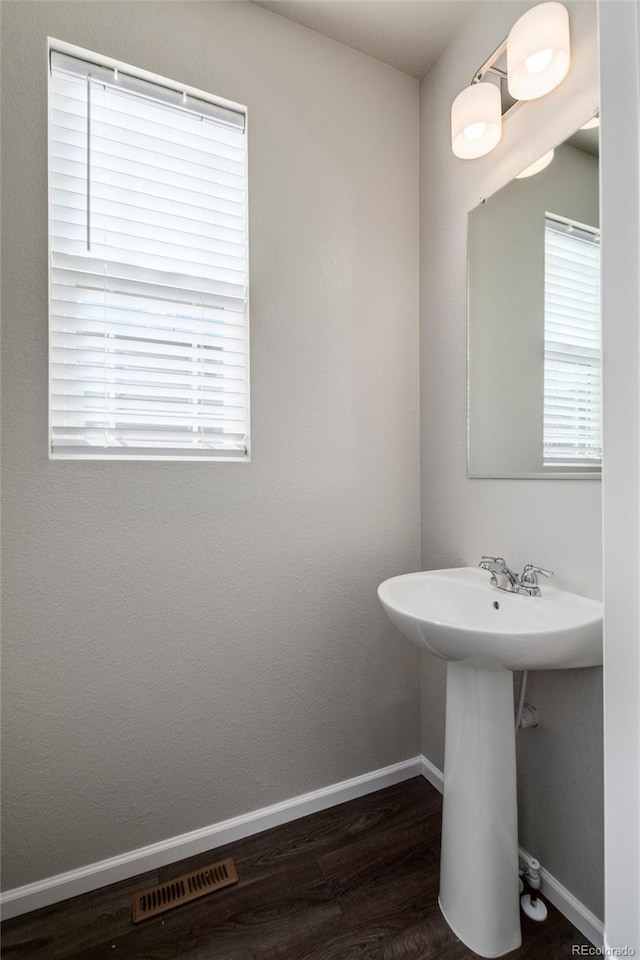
{"points": [[489, 67]]}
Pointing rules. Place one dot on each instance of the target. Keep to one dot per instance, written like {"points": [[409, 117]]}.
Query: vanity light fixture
{"points": [[538, 57]]}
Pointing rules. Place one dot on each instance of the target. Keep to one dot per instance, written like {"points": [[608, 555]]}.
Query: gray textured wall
{"points": [[184, 642], [552, 522]]}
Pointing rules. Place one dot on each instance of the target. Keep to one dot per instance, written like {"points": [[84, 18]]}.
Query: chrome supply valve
{"points": [[531, 904], [529, 579]]}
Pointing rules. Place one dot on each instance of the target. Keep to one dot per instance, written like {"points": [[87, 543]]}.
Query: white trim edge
{"points": [[431, 773], [43, 893], [619, 38]]}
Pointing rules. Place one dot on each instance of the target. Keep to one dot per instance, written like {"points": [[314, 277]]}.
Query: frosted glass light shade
{"points": [[476, 121], [541, 164], [538, 51]]}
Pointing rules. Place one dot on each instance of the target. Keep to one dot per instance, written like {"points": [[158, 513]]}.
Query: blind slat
{"points": [[133, 376], [130, 280]]}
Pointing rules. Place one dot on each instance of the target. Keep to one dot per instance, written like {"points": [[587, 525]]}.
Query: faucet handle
{"points": [[531, 571], [485, 561]]}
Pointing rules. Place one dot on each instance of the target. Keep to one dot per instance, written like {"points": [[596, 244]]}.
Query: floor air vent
{"points": [[190, 886]]}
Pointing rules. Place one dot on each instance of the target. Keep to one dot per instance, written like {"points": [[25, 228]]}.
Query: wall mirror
{"points": [[534, 347]]}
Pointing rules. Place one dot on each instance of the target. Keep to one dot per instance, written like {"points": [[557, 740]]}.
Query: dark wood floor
{"points": [[356, 882]]}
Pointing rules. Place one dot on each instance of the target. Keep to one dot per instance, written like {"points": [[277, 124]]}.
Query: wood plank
{"points": [[52, 933], [374, 856]]}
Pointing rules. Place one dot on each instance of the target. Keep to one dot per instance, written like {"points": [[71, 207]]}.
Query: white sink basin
{"points": [[457, 615], [484, 633]]}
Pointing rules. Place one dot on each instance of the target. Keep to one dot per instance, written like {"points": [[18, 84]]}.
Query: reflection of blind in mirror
{"points": [[572, 344]]}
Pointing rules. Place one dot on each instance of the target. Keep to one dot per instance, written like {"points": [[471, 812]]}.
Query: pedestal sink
{"points": [[485, 633]]}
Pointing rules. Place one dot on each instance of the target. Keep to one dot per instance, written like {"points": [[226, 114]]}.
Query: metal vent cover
{"points": [[190, 886]]}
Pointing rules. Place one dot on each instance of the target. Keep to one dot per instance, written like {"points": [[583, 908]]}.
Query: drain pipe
{"points": [[531, 904], [521, 696]]}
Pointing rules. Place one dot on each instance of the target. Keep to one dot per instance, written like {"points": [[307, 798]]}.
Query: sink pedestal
{"points": [[479, 894]]}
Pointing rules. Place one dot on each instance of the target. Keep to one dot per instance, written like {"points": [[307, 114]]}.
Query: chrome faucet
{"points": [[501, 576], [505, 579]]}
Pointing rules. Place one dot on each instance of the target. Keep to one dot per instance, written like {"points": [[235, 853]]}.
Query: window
{"points": [[148, 272], [572, 349]]}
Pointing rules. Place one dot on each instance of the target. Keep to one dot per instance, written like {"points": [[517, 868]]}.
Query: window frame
{"points": [[117, 453]]}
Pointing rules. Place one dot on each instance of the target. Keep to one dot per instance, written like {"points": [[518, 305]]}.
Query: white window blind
{"points": [[148, 278], [572, 345]]}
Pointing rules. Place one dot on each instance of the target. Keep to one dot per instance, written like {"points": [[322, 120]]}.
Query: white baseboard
{"points": [[33, 896], [556, 893], [431, 773]]}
